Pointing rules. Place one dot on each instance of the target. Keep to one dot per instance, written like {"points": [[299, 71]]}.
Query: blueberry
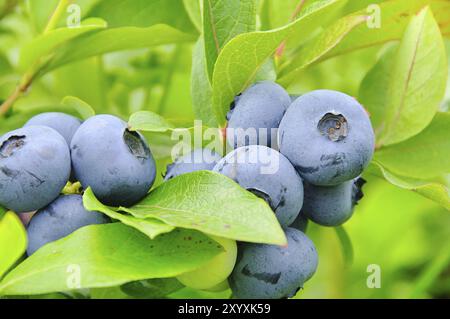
{"points": [[274, 272], [114, 161], [59, 219], [259, 108], [327, 136], [34, 167], [197, 160], [301, 222], [64, 124], [269, 175], [332, 205]]}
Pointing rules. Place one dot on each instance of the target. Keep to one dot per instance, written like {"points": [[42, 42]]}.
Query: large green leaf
{"points": [[108, 255], [222, 21], [317, 47], [13, 240], [242, 57], [45, 44], [116, 39], [423, 156], [214, 204], [435, 191], [144, 13], [150, 227], [417, 81]]}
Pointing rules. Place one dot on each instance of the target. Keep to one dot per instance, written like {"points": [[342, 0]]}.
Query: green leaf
{"points": [[47, 43], [152, 288], [437, 192], [201, 90], [107, 255], [394, 17], [423, 156], [84, 110], [241, 58], [213, 204], [150, 227], [144, 13], [13, 239], [374, 83], [116, 39], [318, 46], [222, 21], [417, 81], [346, 245], [148, 121]]}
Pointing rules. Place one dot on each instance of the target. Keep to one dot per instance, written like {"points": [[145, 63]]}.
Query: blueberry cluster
{"points": [[309, 171], [37, 161], [302, 155]]}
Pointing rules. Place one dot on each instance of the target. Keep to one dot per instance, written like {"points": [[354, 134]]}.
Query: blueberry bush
{"points": [[224, 149]]}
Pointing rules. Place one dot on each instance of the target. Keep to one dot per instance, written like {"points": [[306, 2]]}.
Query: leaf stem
{"points": [[18, 91], [54, 19]]}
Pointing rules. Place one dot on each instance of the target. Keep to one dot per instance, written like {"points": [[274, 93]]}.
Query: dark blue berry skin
{"points": [[261, 106], [301, 222], [197, 160], [269, 175], [327, 136], [274, 272], [115, 162], [59, 219], [64, 124], [332, 205], [34, 168]]}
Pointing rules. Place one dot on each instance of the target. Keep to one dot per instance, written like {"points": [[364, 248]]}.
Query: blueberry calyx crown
{"points": [[12, 144], [135, 144], [333, 126]]}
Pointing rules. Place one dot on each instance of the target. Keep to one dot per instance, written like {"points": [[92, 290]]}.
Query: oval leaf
{"points": [[315, 48], [108, 255], [222, 21], [431, 150], [213, 204], [437, 192], [46, 43], [417, 82], [116, 39]]}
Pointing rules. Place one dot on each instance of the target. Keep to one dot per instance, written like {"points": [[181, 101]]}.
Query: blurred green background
{"points": [[402, 232]]}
